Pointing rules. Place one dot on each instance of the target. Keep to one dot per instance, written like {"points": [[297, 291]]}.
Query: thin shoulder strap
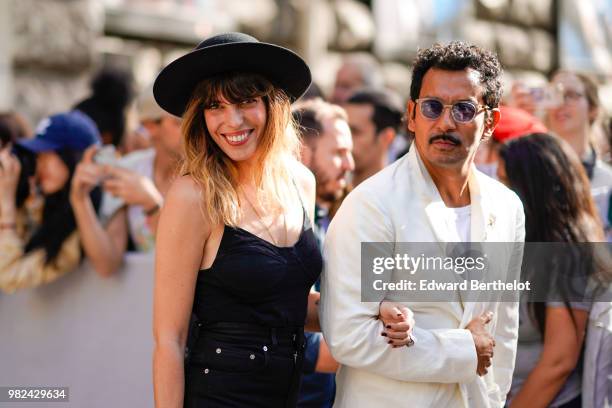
{"points": [[307, 221]]}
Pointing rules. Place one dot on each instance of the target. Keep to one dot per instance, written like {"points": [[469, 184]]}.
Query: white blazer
{"points": [[402, 204]]}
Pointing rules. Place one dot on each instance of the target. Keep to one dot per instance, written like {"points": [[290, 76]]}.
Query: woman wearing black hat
{"points": [[235, 251]]}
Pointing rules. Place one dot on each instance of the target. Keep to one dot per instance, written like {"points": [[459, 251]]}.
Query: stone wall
{"points": [[52, 53], [57, 44]]}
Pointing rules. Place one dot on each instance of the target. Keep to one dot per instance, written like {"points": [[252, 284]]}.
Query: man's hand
{"points": [[398, 321], [483, 341], [132, 188]]}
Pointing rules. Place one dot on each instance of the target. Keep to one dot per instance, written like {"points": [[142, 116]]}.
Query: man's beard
{"points": [[322, 180]]}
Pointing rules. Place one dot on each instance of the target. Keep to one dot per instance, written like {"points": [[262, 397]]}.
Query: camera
{"points": [[547, 97], [27, 160]]}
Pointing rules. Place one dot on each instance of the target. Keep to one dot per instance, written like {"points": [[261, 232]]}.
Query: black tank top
{"points": [[254, 281]]}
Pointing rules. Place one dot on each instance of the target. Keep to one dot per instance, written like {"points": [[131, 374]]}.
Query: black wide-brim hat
{"points": [[224, 53]]}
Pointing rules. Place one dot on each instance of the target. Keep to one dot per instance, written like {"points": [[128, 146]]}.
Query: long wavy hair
{"points": [[551, 182], [215, 172]]}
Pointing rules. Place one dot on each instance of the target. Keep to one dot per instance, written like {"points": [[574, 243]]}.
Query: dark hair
{"points": [[551, 182], [314, 91], [308, 124], [12, 127], [27, 160], [58, 220], [457, 56], [111, 93], [387, 107], [310, 115]]}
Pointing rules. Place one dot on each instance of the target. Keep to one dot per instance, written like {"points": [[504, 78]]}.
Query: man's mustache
{"points": [[446, 137]]}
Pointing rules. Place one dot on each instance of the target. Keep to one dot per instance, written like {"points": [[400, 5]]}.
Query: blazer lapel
{"points": [[430, 197], [483, 215], [482, 225]]}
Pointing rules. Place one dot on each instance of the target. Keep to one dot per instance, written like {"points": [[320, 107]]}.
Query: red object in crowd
{"points": [[515, 122]]}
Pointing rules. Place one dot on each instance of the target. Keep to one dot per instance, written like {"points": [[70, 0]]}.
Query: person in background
{"points": [[137, 184], [39, 244], [374, 117], [136, 135], [107, 106], [12, 128], [149, 171], [326, 151], [552, 184], [514, 123], [528, 94], [573, 121], [358, 70]]}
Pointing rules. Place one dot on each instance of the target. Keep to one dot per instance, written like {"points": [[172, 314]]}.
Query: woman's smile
{"points": [[238, 138]]}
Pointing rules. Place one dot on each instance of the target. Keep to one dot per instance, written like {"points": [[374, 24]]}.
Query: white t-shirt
{"points": [[458, 221], [140, 162]]}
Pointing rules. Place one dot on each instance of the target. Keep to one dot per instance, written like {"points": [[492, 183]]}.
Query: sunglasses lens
{"points": [[431, 108], [463, 111]]}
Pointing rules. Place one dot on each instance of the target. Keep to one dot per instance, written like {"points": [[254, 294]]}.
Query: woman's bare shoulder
{"points": [[184, 198], [182, 209], [184, 191]]}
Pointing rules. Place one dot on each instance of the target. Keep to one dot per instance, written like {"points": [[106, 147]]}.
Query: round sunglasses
{"points": [[462, 111]]}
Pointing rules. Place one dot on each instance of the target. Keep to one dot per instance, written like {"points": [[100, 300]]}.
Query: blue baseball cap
{"points": [[71, 130]]}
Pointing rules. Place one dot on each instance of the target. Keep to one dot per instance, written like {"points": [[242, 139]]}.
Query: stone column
{"points": [[54, 53], [6, 56]]}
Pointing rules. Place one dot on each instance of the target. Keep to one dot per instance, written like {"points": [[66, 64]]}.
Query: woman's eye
{"points": [[248, 101], [213, 105]]}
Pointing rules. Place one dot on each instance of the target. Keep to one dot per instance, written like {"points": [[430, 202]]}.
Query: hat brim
{"points": [[37, 145], [284, 68]]}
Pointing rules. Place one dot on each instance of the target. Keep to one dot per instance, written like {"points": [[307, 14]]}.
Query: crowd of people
{"points": [[249, 182]]}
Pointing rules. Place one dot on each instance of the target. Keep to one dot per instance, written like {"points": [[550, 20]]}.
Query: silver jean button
{"points": [[218, 351], [252, 356], [206, 371], [265, 348]]}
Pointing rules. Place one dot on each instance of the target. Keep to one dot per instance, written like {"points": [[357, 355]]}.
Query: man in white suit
{"points": [[433, 194]]}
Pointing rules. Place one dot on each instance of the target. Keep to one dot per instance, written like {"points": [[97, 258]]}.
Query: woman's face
{"points": [[236, 128], [573, 115], [51, 172]]}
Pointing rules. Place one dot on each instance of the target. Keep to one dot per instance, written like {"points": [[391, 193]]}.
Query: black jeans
{"points": [[244, 365]]}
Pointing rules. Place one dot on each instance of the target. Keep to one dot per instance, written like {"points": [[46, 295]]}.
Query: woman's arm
{"points": [[307, 185], [19, 270], [562, 345], [181, 236], [103, 247], [135, 189], [398, 322], [312, 313]]}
